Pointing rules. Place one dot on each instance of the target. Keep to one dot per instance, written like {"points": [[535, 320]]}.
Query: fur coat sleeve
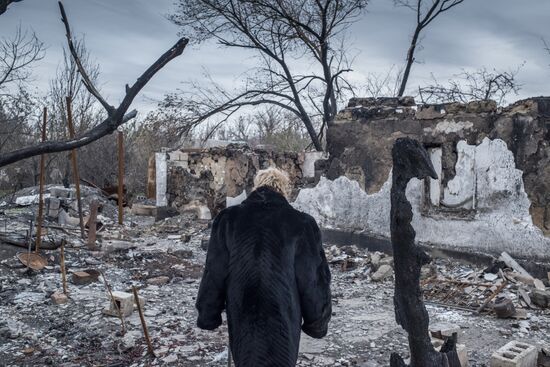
{"points": [[313, 281], [212, 291]]}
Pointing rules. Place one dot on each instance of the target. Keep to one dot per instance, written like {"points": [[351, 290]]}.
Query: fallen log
{"points": [[50, 245]]}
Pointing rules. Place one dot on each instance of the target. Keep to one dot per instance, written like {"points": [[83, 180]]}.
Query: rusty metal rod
{"points": [[41, 190], [63, 272], [75, 167], [143, 324], [120, 176]]}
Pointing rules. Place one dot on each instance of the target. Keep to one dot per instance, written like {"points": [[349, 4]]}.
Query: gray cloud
{"points": [[126, 36]]}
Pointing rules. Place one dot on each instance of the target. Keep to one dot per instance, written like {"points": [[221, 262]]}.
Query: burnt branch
{"points": [[85, 78], [116, 116], [4, 5], [279, 33]]}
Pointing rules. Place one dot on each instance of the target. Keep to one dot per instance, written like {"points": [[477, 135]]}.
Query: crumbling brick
{"points": [[59, 298], [83, 278]]}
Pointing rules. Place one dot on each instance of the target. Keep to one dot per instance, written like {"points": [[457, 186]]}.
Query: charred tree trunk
{"points": [[411, 160]]}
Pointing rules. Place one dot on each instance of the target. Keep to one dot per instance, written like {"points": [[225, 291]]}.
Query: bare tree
{"points": [[115, 116], [299, 45], [97, 161], [426, 11], [382, 84], [271, 126], [17, 54], [479, 85]]}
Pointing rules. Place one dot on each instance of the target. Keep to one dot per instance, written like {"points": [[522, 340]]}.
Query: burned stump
{"points": [[411, 160]]}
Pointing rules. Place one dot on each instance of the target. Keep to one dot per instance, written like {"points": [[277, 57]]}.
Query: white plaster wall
{"points": [[308, 169], [460, 190], [502, 221], [161, 178]]}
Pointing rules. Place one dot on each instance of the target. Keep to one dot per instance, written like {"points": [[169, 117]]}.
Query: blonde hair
{"points": [[273, 178]]}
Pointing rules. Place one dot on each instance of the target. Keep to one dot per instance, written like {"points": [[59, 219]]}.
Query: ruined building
{"points": [[493, 164], [203, 178]]}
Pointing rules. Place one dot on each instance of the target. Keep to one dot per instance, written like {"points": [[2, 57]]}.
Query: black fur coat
{"points": [[266, 266]]}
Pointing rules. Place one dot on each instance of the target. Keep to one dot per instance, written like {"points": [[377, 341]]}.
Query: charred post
{"points": [[410, 160], [120, 192], [41, 192], [75, 167]]}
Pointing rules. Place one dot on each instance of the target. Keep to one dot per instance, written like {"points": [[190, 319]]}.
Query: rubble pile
{"points": [[164, 260]]}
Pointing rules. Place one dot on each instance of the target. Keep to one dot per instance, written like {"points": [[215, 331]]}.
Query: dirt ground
{"points": [[362, 332]]}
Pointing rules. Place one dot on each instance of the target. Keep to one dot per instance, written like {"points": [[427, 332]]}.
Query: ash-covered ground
{"points": [[164, 260]]}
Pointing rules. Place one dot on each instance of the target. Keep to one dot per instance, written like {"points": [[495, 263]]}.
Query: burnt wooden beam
{"points": [[410, 160]]}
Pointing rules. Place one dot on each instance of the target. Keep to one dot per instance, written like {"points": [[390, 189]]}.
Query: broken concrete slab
{"points": [[383, 272], [124, 301], [515, 354]]}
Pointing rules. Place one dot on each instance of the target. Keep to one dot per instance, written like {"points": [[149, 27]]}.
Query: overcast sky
{"points": [[126, 36]]}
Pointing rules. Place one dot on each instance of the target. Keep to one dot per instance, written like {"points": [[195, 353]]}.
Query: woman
{"points": [[266, 266]]}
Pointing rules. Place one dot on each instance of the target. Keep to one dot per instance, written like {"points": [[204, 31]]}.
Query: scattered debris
{"points": [[362, 331], [540, 298], [514, 265]]}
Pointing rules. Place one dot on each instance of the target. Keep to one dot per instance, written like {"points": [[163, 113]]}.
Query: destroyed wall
{"points": [[493, 192], [205, 177]]}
